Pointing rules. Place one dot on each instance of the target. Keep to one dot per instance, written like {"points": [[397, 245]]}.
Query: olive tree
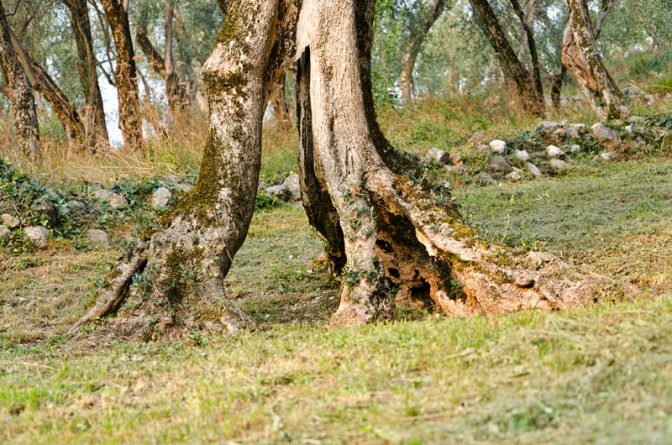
{"points": [[396, 240]]}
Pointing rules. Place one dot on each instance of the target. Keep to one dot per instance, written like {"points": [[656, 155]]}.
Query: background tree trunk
{"points": [[419, 27], [125, 74], [278, 102], [580, 56], [512, 67], [532, 46], [94, 112], [19, 92]]}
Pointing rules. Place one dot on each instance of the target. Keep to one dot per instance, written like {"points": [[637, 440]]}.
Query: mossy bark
{"points": [[172, 282], [19, 92]]}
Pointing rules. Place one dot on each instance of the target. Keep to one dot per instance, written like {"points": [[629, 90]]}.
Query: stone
{"points": [[455, 169], [486, 179], [10, 221], [533, 169], [477, 138], [575, 130], [184, 188], [46, 208], [638, 120], [559, 135], [668, 98], [437, 156], [554, 152], [602, 157], [293, 184], [37, 235], [540, 258], [522, 155], [575, 148], [98, 238], [558, 164], [499, 164], [482, 149], [548, 127], [499, 147], [74, 207], [5, 233], [609, 137], [278, 191], [114, 200], [457, 159], [514, 176], [161, 198]]}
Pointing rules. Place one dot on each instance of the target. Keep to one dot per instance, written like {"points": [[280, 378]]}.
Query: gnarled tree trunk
{"points": [[125, 73], [580, 56], [94, 112], [398, 243], [420, 23], [19, 92], [513, 69], [531, 44]]}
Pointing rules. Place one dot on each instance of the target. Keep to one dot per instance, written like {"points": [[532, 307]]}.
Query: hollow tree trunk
{"points": [[94, 112], [404, 244], [182, 266], [580, 56], [125, 74], [399, 243], [420, 24], [19, 92]]}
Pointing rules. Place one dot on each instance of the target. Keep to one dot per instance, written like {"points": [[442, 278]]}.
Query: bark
{"points": [[41, 81], [399, 243], [125, 73], [532, 46], [94, 112], [179, 270], [19, 92], [580, 56], [421, 22], [514, 70]]}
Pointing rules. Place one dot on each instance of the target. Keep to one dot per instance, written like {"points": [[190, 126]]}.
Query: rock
{"points": [[98, 238], [486, 179], [477, 138], [638, 120], [540, 258], [499, 164], [482, 149], [633, 91], [558, 164], [548, 127], [457, 159], [37, 235], [514, 176], [668, 98], [609, 137], [5, 233], [554, 152], [289, 190], [498, 147], [533, 169], [456, 169], [575, 148], [293, 184], [161, 198], [10, 221], [604, 156], [114, 200], [437, 156], [45, 207], [76, 208], [575, 130], [559, 135], [184, 188], [522, 155]]}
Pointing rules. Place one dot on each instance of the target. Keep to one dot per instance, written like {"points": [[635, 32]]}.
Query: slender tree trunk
{"points": [[512, 67], [19, 92], [556, 86], [580, 56], [66, 112], [532, 46], [278, 102], [125, 74], [399, 243], [94, 112], [418, 30]]}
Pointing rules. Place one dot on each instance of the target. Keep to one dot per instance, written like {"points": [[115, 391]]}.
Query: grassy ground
{"points": [[601, 374]]}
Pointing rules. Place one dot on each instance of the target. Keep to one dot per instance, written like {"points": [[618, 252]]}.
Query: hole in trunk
{"points": [[384, 246], [394, 273]]}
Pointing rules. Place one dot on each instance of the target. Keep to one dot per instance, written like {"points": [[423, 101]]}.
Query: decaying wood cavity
{"points": [[398, 242], [405, 244]]}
